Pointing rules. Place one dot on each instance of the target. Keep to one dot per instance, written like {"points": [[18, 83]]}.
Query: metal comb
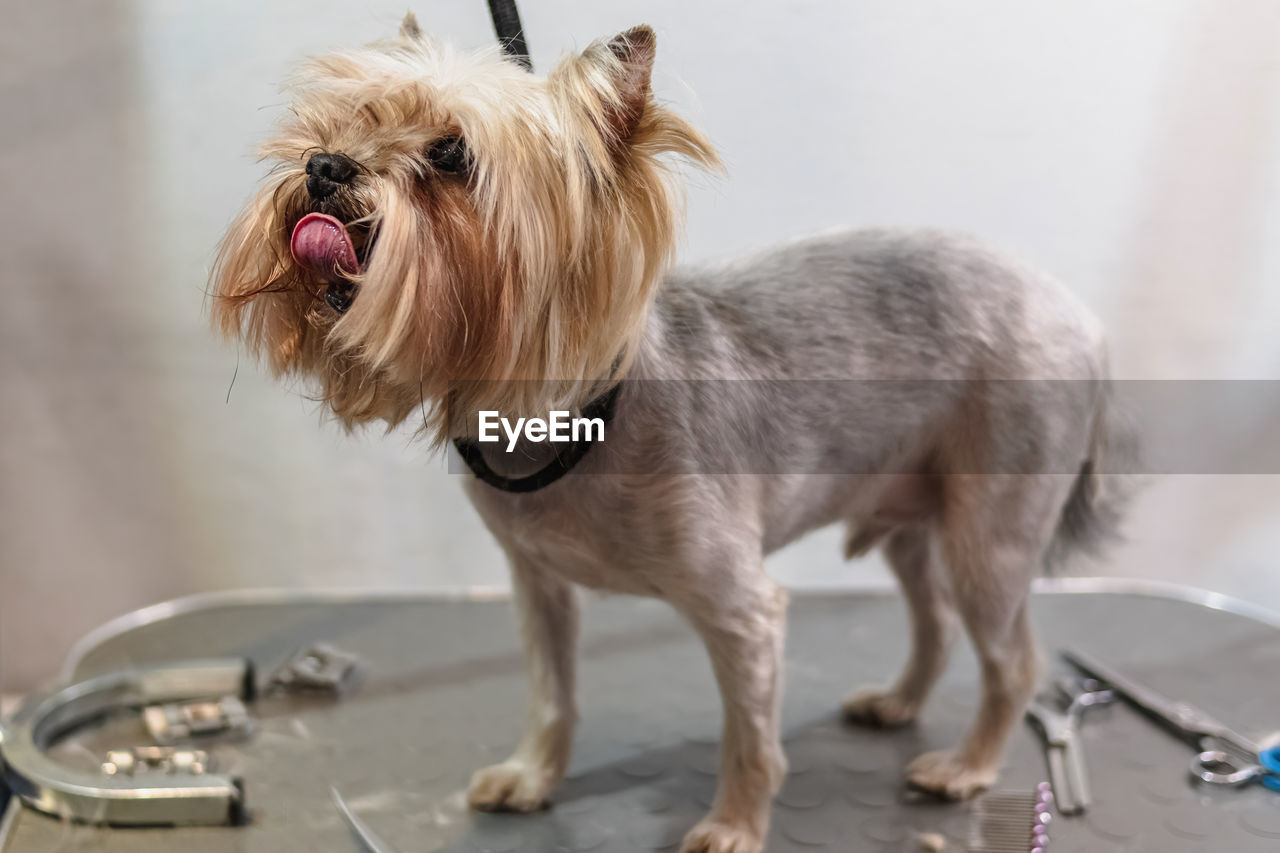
{"points": [[1012, 822]]}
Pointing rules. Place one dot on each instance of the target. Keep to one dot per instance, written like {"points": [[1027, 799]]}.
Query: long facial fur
{"points": [[521, 286]]}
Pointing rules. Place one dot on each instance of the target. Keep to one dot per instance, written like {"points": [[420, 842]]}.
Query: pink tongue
{"points": [[320, 243]]}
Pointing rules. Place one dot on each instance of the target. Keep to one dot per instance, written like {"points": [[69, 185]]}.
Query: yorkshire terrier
{"points": [[445, 233]]}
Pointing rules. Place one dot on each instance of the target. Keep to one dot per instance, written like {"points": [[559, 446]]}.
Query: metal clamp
{"points": [[156, 759], [320, 669], [195, 797], [168, 724]]}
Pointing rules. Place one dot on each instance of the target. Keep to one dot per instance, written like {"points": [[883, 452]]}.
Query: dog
{"points": [[444, 234]]}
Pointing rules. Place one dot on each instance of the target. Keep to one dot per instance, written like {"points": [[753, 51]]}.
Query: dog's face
{"points": [[445, 231]]}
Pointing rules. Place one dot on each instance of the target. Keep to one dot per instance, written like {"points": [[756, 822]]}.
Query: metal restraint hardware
{"points": [[146, 788]]}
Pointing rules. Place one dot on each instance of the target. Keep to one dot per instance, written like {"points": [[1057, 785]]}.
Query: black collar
{"points": [[570, 455]]}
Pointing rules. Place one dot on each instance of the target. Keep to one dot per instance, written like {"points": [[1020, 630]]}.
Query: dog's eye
{"points": [[449, 154]]}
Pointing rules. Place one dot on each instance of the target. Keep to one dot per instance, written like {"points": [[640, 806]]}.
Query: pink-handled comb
{"points": [[1012, 822]]}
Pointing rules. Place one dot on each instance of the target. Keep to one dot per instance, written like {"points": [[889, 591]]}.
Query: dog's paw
{"points": [[712, 836], [943, 773], [512, 786], [880, 708]]}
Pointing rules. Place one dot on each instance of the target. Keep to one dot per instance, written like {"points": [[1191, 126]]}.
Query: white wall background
{"points": [[1128, 146]]}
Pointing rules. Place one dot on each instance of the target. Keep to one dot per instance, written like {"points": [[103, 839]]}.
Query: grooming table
{"points": [[445, 689]]}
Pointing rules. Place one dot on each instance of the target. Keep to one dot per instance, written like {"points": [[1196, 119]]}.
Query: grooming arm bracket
{"points": [[124, 800]]}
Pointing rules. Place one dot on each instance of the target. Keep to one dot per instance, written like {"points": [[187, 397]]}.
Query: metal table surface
{"points": [[444, 694]]}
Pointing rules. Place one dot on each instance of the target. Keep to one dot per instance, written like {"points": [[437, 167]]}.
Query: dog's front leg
{"points": [[743, 630], [548, 612]]}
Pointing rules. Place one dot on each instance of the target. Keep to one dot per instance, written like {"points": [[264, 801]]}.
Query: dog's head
{"points": [[444, 231]]}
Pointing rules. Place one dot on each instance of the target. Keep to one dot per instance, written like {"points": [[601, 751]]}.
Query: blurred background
{"points": [[1129, 147]]}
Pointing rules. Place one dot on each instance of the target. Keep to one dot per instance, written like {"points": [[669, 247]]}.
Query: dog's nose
{"points": [[326, 172]]}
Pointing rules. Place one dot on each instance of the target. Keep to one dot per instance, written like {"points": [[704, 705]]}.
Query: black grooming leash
{"points": [[506, 22]]}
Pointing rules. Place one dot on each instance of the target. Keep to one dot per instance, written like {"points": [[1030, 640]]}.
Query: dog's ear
{"points": [[634, 51], [610, 81], [607, 90], [409, 28]]}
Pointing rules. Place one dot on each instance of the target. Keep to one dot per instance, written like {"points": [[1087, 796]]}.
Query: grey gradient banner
{"points": [[853, 427]]}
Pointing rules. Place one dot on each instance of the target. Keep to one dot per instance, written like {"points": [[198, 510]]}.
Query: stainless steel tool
{"points": [[1011, 822], [372, 843], [1226, 758], [1064, 750], [122, 798], [179, 721], [320, 668], [156, 759]]}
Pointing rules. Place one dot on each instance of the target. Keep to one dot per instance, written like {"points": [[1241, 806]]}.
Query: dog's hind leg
{"points": [[743, 629], [548, 611], [994, 534], [909, 554]]}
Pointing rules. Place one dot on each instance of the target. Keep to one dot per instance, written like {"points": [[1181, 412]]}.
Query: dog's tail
{"points": [[1103, 487]]}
